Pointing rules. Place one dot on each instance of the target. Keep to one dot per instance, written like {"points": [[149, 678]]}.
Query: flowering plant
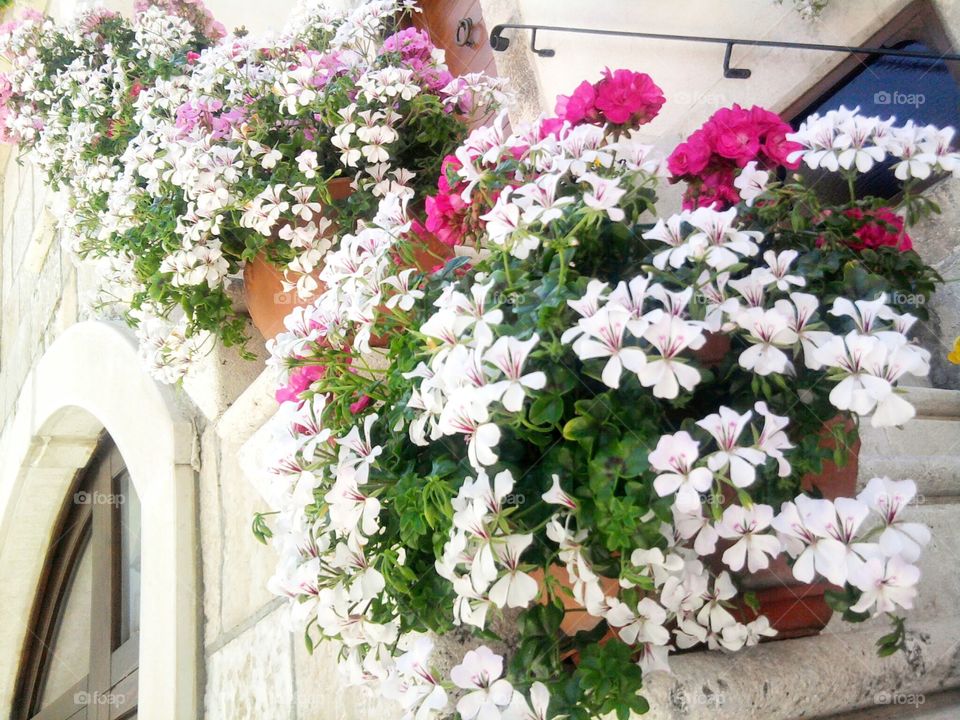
{"points": [[533, 443], [733, 138], [193, 152]]}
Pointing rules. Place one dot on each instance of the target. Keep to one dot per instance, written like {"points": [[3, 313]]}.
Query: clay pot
{"points": [[266, 300], [714, 350], [576, 618], [797, 609]]}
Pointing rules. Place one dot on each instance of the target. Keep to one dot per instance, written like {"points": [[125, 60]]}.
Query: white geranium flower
{"points": [[773, 441], [536, 710], [675, 457], [889, 499], [751, 182], [713, 614], [803, 529], [509, 354], [670, 232], [606, 193], [603, 338], [853, 356], [667, 374], [726, 426], [556, 496], [753, 547], [515, 589], [692, 523], [886, 584], [488, 695], [468, 415], [643, 625], [406, 295], [769, 331], [737, 636]]}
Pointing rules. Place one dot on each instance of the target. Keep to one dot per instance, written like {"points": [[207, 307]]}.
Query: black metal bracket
{"points": [[464, 31], [499, 43], [729, 72], [542, 52]]}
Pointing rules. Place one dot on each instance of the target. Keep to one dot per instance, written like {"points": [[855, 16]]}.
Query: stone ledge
{"points": [[937, 476], [828, 674], [934, 402], [921, 436], [942, 706]]}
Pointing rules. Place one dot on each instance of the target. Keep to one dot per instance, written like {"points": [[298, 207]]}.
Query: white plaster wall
{"points": [[690, 74]]}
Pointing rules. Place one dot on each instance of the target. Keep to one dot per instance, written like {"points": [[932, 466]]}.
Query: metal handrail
{"points": [[500, 43]]}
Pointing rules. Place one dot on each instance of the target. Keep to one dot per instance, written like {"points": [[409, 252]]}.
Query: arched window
{"points": [[81, 658]]}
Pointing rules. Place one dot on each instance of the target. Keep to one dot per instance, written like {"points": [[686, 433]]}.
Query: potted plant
{"points": [[194, 157], [540, 420]]}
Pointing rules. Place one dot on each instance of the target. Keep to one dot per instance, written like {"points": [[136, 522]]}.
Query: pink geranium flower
{"points": [[579, 106], [710, 160], [879, 228], [300, 379], [624, 96]]}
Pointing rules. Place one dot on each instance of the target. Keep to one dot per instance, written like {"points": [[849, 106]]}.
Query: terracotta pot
{"points": [[267, 302], [714, 350], [429, 254], [575, 618], [797, 609]]}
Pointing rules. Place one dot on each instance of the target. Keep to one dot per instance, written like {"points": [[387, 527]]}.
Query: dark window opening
{"points": [[81, 658]]}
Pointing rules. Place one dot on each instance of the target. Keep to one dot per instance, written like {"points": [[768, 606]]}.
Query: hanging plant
{"points": [[587, 435], [182, 154], [808, 9]]}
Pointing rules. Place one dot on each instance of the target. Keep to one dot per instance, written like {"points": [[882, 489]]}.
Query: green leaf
{"points": [[581, 429], [546, 410]]}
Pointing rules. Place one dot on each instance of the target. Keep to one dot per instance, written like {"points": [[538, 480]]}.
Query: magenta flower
{"points": [[624, 96], [300, 379], [579, 106]]}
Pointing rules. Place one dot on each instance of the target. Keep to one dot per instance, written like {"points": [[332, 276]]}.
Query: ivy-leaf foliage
{"points": [[537, 653], [607, 680]]}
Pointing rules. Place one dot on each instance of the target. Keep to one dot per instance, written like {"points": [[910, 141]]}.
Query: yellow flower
{"points": [[954, 355]]}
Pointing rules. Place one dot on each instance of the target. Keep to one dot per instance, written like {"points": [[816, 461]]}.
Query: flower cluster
{"points": [[535, 421], [547, 162], [732, 138], [194, 152], [622, 97], [845, 139]]}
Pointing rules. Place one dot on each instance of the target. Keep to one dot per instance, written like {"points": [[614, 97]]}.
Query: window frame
{"points": [[918, 22], [113, 666]]}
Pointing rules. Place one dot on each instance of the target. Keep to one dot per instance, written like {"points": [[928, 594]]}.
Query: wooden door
{"points": [[457, 27]]}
